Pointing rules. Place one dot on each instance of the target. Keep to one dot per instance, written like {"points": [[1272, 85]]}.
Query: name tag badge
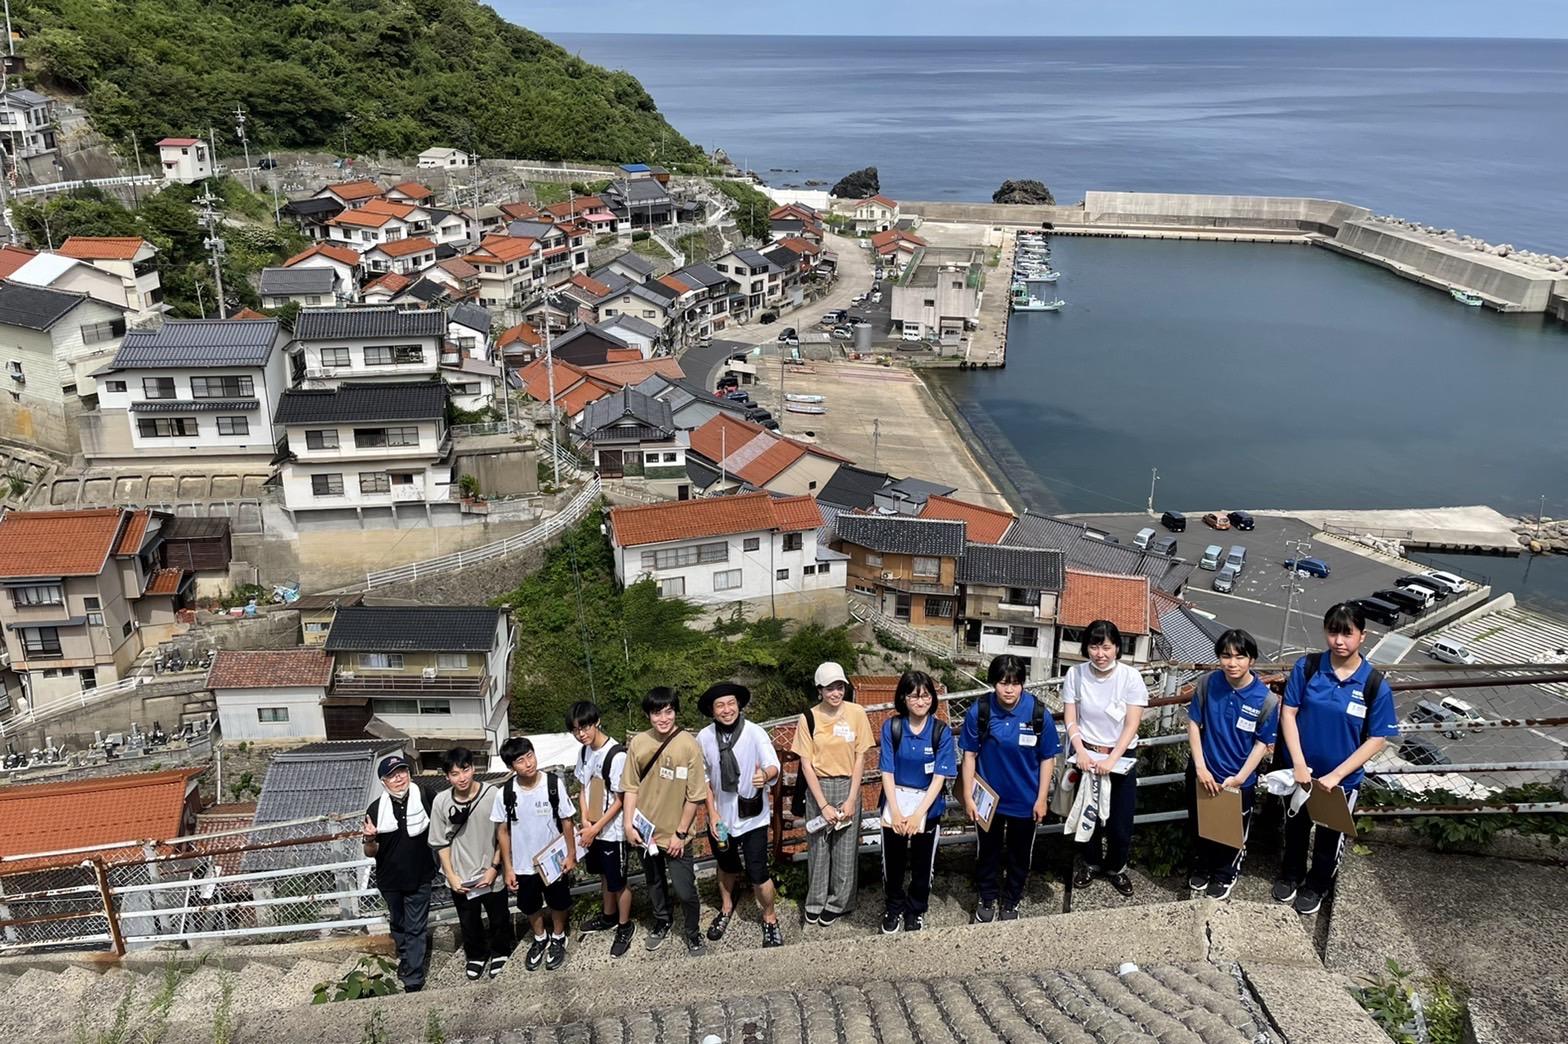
{"points": [[681, 772], [666, 772], [1027, 739], [1356, 710], [929, 767], [844, 732], [1246, 725], [542, 808]]}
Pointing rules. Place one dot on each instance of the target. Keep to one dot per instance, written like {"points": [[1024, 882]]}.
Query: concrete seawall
{"points": [[1504, 284]]}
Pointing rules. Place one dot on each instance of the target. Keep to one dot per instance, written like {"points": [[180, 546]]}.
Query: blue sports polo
{"points": [[1335, 717], [1009, 760], [1230, 721], [918, 761]]}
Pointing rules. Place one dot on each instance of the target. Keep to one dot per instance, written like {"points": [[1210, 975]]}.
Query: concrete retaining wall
{"points": [[1506, 284], [166, 702]]}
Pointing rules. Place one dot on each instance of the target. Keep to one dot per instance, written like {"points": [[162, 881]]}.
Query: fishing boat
{"points": [[804, 398], [1035, 304], [1049, 275], [1465, 297], [804, 407]]}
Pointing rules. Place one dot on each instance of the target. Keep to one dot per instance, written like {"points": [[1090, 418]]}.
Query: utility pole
{"points": [[239, 128], [549, 369], [272, 183], [1299, 549], [876, 438], [210, 219], [1154, 476]]}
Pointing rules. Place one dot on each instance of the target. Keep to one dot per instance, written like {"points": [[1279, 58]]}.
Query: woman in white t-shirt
{"points": [[1103, 701]]}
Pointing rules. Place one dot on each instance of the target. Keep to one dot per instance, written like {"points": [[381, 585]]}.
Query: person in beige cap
{"points": [[832, 739]]}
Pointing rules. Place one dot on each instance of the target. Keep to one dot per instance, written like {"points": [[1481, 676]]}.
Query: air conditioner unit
{"points": [[428, 673], [345, 675], [886, 575]]}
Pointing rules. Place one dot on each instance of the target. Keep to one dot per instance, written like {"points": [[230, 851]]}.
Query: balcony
{"points": [[390, 683]]}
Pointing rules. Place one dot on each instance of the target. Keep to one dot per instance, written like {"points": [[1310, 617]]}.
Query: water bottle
{"points": [[722, 832]]}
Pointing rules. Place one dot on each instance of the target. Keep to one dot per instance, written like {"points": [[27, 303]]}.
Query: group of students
{"points": [[1337, 712]]}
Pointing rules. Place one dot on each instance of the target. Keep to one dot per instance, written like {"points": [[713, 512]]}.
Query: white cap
{"points": [[830, 672]]}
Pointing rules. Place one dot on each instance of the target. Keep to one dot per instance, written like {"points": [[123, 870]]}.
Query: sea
{"points": [[1251, 375]]}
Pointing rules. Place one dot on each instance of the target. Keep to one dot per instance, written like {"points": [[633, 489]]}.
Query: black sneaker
{"points": [[557, 953], [657, 934], [1284, 890], [1121, 882], [892, 922], [536, 954], [695, 947], [474, 970], [1083, 874], [599, 922], [1007, 913], [720, 925], [1307, 901], [1199, 880], [772, 934], [497, 964], [813, 918], [623, 939], [914, 922], [827, 917], [1220, 889], [985, 913]]}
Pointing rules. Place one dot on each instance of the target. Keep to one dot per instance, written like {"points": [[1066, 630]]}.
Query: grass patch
{"points": [[648, 248], [547, 192]]}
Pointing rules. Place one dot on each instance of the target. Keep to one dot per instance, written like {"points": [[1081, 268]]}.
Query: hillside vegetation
{"points": [[364, 75]]}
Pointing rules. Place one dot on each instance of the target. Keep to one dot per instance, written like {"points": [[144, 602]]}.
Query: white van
{"points": [[1211, 557], [1463, 709], [1450, 651], [1144, 538]]}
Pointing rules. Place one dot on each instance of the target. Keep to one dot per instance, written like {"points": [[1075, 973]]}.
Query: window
{"points": [[940, 608], [672, 587], [781, 574], [114, 386], [726, 580], [167, 427], [435, 706], [792, 541], [901, 606], [411, 706], [158, 387], [125, 629], [372, 438], [233, 426], [93, 333], [873, 559], [317, 627], [1022, 596], [381, 661], [824, 568], [326, 438], [39, 594], [650, 458], [452, 661], [927, 566], [669, 458], [679, 557], [326, 485], [1023, 636], [40, 642], [272, 714], [752, 543], [372, 482], [222, 387], [335, 357], [810, 570], [394, 354], [94, 611]]}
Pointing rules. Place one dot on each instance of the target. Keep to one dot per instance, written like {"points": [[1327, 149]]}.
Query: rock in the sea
{"points": [[859, 185], [1025, 190]]}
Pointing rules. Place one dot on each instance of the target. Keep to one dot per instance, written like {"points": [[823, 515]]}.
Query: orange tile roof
{"points": [[457, 268], [536, 378], [675, 284], [361, 219], [14, 257], [58, 543], [389, 207], [518, 210], [271, 669], [248, 313], [728, 440], [352, 190], [878, 198], [165, 582], [590, 390], [106, 810], [624, 373], [134, 533], [503, 249], [1123, 600], [710, 516], [615, 355], [179, 142], [337, 252], [985, 525], [593, 286], [102, 248], [801, 246], [886, 242], [412, 189], [523, 332], [575, 206], [767, 465], [391, 282], [405, 247]]}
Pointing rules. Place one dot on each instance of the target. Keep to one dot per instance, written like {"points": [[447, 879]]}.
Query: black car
{"points": [[1378, 610], [1418, 750], [1174, 521], [1408, 603], [266, 163], [1426, 583], [768, 317], [1241, 520]]}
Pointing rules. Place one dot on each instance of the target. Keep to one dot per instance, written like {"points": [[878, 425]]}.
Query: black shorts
{"points": [[608, 860], [746, 853], [534, 895]]}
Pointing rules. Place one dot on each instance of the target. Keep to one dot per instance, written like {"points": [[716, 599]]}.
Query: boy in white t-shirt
{"points": [[601, 764], [531, 817]]}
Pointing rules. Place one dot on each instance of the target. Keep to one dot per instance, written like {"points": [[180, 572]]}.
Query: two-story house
{"points": [[1008, 600], [875, 214], [896, 250], [640, 202], [631, 298], [627, 433], [51, 341], [751, 547], [304, 285], [366, 343], [131, 259], [26, 123], [437, 674], [509, 268], [1123, 600], [411, 192], [707, 310], [193, 388], [366, 447], [83, 594], [185, 160], [460, 278], [403, 256], [58, 272], [271, 694], [590, 211], [343, 262], [362, 227], [907, 566], [754, 278], [447, 228], [351, 194], [441, 157]]}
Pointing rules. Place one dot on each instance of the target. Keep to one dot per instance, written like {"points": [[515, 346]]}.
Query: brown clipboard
{"points": [[1219, 817], [1331, 809]]}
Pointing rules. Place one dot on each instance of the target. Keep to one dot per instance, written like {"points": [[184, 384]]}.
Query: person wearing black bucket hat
{"points": [[395, 834], [742, 766]]}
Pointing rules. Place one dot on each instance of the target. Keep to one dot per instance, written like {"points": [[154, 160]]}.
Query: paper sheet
{"points": [[644, 827], [550, 860], [908, 799], [985, 801]]}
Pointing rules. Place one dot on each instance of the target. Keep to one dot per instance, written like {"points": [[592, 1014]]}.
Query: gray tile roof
{"points": [[308, 279], [700, 474], [471, 315], [26, 97], [1191, 637], [752, 258], [528, 229], [320, 207], [34, 307], [629, 404], [852, 487], [703, 273], [634, 261], [902, 535], [781, 256], [1084, 550], [319, 779], [413, 628], [363, 401], [997, 565], [426, 290], [631, 323], [321, 324], [199, 342]]}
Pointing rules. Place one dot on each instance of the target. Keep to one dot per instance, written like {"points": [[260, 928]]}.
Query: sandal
{"points": [[720, 925], [474, 970]]}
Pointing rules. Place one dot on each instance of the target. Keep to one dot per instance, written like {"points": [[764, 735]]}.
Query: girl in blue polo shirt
{"points": [[1231, 724], [916, 762], [1332, 727], [1011, 750]]}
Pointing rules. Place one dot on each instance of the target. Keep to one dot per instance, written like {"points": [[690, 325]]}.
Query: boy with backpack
{"points": [[533, 810], [601, 766], [465, 846], [1231, 723]]}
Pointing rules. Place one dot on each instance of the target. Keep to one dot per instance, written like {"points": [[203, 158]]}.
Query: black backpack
{"points": [[1374, 683], [1270, 702], [984, 720], [553, 786], [609, 760], [897, 728], [797, 800]]}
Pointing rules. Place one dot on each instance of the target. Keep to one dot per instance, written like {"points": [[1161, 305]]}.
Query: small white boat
{"points": [[804, 407], [1035, 304], [1465, 297], [804, 398], [1050, 275]]}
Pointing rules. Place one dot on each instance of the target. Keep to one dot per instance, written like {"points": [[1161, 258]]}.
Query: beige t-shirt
{"points": [[839, 741], [666, 786]]}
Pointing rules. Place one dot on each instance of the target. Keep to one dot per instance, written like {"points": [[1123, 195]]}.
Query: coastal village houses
{"points": [[907, 567], [875, 214], [130, 259], [26, 124], [185, 160]]}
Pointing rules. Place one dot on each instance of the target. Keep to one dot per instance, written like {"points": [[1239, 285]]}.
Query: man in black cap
{"points": [[742, 766], [396, 830]]}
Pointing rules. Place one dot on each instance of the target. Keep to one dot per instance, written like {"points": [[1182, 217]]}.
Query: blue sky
{"points": [[1466, 18]]}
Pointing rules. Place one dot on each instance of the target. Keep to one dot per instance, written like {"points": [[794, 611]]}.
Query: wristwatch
{"points": [[684, 835]]}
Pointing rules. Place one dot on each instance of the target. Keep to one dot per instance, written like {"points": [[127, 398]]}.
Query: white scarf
{"points": [[1090, 807], [415, 818]]}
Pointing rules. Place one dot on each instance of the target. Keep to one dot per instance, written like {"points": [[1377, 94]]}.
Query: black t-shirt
{"points": [[403, 863]]}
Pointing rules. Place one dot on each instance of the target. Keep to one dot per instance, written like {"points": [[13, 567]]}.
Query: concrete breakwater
{"points": [[1441, 259]]}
